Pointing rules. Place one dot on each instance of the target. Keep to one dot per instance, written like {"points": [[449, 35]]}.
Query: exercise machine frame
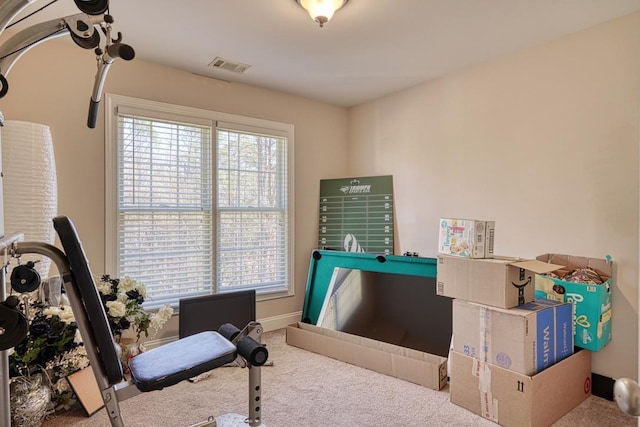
{"points": [[191, 356]]}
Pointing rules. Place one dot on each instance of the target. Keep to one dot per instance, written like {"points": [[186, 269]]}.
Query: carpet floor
{"points": [[309, 390]]}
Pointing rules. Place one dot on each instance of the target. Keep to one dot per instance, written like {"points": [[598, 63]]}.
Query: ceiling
{"points": [[369, 49]]}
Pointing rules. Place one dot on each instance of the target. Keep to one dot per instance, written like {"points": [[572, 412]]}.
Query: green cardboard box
{"points": [[591, 303]]}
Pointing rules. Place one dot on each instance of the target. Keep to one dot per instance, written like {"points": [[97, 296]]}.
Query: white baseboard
{"points": [[268, 324], [281, 321]]}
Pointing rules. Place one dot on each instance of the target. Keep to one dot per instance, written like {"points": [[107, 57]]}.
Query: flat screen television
{"points": [[209, 312]]}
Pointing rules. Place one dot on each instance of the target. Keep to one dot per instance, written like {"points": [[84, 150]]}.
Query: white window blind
{"points": [[164, 203], [252, 209], [197, 202]]}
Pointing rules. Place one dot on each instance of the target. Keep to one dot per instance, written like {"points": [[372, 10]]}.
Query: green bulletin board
{"points": [[356, 214]]}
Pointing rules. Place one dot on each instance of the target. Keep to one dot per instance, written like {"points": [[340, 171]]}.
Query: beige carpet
{"points": [[309, 390]]}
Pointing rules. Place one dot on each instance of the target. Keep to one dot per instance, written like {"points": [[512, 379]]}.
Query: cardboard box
{"points": [[513, 399], [410, 365], [499, 282], [388, 308], [526, 339], [466, 238], [591, 303]]}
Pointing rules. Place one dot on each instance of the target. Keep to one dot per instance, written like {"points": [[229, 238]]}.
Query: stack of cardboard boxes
{"points": [[512, 356]]}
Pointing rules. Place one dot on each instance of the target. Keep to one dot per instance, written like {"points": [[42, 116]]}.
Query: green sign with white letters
{"points": [[356, 214]]}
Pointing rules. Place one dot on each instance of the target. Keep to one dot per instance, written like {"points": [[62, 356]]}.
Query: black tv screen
{"points": [[209, 312]]}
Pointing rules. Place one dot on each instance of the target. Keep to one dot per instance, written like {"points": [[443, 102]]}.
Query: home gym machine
{"points": [[190, 356], [152, 370], [84, 29]]}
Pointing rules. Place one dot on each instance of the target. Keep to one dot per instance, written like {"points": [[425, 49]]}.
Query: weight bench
{"points": [[157, 368]]}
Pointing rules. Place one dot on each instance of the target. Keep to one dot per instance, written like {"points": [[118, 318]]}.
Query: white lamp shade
{"points": [[29, 185]]}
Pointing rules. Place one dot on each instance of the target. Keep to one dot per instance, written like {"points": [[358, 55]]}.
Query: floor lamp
{"points": [[30, 184]]}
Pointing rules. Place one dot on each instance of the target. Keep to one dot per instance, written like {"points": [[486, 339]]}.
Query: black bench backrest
{"points": [[86, 289]]}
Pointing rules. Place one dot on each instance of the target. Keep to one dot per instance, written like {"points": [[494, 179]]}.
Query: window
{"points": [[198, 202], [251, 210]]}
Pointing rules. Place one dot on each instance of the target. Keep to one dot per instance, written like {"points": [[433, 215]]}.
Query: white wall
{"points": [[52, 84], [544, 141]]}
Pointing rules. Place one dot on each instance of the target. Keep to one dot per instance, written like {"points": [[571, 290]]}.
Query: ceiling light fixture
{"points": [[321, 11]]}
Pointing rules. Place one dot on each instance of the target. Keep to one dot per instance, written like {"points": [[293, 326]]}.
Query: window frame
{"points": [[161, 110]]}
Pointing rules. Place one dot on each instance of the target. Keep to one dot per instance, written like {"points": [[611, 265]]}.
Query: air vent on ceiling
{"points": [[228, 65]]}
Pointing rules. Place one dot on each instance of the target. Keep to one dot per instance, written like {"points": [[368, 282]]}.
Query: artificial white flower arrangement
{"points": [[53, 346], [123, 300]]}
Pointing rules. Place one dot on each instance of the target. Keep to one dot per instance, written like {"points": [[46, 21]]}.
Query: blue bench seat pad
{"points": [[179, 360]]}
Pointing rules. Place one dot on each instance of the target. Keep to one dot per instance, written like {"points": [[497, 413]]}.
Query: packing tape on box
{"points": [[485, 334], [488, 405], [482, 371], [487, 402]]}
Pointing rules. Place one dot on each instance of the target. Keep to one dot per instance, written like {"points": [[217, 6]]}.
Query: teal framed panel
{"points": [[323, 263]]}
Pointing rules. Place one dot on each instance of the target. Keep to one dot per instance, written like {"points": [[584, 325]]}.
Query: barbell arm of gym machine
{"points": [[81, 26], [9, 9], [112, 52], [83, 31], [54, 254]]}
